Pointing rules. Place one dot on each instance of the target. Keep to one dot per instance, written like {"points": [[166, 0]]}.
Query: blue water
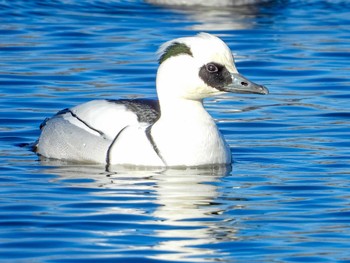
{"points": [[287, 196]]}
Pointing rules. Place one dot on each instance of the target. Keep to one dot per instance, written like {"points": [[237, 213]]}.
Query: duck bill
{"points": [[242, 85]]}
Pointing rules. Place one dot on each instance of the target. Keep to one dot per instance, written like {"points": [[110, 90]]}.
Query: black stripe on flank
{"points": [[149, 137], [154, 145], [108, 157], [85, 123]]}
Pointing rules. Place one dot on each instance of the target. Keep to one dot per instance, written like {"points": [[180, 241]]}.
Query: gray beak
{"points": [[242, 85]]}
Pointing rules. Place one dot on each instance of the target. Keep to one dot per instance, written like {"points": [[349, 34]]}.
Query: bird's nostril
{"points": [[244, 83]]}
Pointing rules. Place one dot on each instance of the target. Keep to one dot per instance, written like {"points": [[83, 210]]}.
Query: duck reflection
{"points": [[188, 204], [183, 205]]}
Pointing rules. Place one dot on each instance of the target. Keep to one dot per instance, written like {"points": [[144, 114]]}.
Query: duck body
{"points": [[94, 131], [132, 132], [174, 131]]}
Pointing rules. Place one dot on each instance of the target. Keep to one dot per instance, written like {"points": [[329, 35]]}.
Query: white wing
{"points": [[86, 133], [101, 117], [63, 140]]}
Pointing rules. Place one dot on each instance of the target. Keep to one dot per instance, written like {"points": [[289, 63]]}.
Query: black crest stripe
{"points": [[175, 49]]}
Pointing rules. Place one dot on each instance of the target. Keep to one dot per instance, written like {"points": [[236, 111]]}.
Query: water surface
{"points": [[286, 197]]}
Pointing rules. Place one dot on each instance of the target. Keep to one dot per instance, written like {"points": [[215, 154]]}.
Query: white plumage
{"points": [[177, 131]]}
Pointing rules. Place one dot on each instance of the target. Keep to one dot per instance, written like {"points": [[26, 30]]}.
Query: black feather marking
{"points": [[146, 110], [108, 157], [85, 123], [215, 75], [175, 49], [61, 112], [154, 145], [64, 111]]}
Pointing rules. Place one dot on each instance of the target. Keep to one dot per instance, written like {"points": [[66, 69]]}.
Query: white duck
{"points": [[176, 131]]}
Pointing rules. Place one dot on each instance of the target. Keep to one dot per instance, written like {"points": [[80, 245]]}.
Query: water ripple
{"points": [[285, 199]]}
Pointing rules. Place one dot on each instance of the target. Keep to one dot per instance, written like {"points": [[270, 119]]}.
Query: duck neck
{"points": [[183, 110]]}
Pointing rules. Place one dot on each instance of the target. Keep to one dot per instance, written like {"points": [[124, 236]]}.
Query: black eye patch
{"points": [[212, 68], [215, 75]]}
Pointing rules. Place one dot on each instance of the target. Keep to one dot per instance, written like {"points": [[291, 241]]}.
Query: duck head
{"points": [[198, 67]]}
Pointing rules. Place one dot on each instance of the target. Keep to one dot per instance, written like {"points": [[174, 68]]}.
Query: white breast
{"points": [[189, 136]]}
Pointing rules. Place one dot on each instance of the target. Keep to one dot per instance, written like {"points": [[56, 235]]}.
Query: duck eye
{"points": [[212, 68]]}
